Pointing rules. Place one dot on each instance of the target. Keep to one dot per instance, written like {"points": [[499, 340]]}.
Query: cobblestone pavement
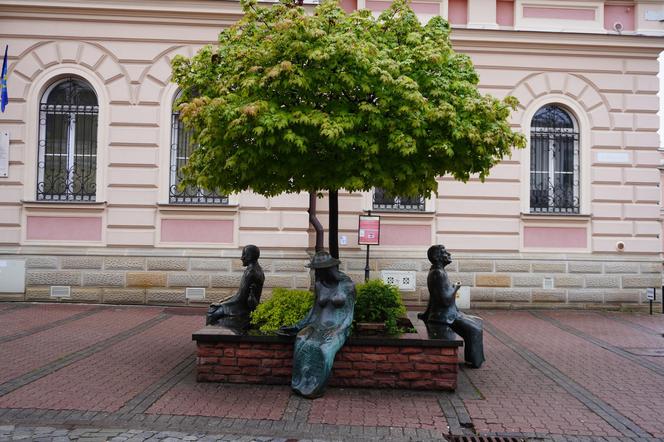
{"points": [[115, 373]]}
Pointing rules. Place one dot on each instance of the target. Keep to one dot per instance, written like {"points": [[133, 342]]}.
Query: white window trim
{"points": [[43, 81], [581, 118]]}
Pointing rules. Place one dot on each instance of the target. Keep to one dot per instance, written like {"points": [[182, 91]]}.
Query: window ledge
{"points": [[65, 205], [189, 208], [555, 217]]}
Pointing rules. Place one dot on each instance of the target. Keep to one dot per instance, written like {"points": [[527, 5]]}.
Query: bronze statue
{"points": [[442, 310], [325, 328], [248, 295]]}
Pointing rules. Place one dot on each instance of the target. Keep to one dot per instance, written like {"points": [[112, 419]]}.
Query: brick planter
{"points": [[410, 361]]}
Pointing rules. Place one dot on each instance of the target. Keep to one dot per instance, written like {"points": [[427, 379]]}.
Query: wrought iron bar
{"points": [[384, 201]]}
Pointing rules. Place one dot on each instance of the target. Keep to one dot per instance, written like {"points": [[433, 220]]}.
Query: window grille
{"points": [[181, 150], [384, 201], [554, 162], [68, 118]]}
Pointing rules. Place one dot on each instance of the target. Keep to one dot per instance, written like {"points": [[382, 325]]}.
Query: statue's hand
{"points": [[287, 330], [457, 284], [422, 316]]}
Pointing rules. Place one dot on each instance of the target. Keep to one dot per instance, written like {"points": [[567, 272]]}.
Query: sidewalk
{"points": [[88, 372]]}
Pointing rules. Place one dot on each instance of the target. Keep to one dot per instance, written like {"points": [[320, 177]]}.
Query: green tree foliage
{"points": [[290, 101], [285, 307], [379, 302]]}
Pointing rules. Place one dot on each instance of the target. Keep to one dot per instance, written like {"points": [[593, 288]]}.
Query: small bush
{"points": [[379, 302], [285, 307]]}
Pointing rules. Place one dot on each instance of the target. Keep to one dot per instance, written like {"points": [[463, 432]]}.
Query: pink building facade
{"points": [[89, 204]]}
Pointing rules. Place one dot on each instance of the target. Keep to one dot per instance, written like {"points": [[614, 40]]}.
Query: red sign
{"points": [[369, 230]]}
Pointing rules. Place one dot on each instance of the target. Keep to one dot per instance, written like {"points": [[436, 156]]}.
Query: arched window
{"points": [[67, 167], [181, 149], [554, 161]]}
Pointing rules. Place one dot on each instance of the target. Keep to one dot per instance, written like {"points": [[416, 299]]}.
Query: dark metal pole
{"points": [[662, 300], [366, 266]]}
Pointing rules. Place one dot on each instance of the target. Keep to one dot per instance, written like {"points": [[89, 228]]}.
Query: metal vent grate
{"points": [[402, 280], [60, 291], [195, 293]]}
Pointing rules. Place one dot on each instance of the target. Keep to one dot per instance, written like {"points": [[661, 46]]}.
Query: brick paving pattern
{"points": [[77, 372], [386, 408], [189, 398], [33, 351], [25, 319], [631, 389]]}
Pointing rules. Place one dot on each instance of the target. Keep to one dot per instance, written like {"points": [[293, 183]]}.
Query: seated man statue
{"points": [[248, 295], [442, 309]]}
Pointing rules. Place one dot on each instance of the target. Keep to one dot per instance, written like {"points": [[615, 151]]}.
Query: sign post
{"points": [[368, 234], [650, 294]]}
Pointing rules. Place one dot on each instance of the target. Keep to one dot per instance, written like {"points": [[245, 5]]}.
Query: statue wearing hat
{"points": [[248, 295], [325, 328]]}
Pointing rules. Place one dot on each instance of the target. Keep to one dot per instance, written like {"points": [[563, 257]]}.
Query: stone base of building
{"points": [[411, 361], [496, 281]]}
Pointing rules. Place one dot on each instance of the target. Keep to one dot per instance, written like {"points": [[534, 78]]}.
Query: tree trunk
{"points": [[315, 222], [334, 223]]}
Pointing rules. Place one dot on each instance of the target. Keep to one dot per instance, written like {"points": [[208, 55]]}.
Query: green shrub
{"points": [[285, 307], [379, 302]]}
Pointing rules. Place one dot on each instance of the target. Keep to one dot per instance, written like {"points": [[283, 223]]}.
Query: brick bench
{"points": [[412, 360]]}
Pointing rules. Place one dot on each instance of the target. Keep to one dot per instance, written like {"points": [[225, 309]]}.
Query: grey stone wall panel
{"points": [[104, 279], [290, 265], [512, 266], [513, 295], [602, 281], [651, 267], [621, 267], [168, 264], [124, 296], [84, 294], [82, 262], [189, 279], [53, 278], [549, 267], [535, 281], [584, 267], [212, 264], [568, 280], [124, 263], [475, 266], [549, 295], [227, 280], [166, 296], [622, 296], [585, 295], [629, 282], [146, 279], [482, 294], [38, 294], [41, 262], [397, 264]]}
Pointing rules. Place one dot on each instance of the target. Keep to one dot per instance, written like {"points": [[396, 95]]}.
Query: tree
{"points": [[296, 102]]}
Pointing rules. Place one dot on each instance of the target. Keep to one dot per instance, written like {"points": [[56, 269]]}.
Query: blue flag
{"points": [[4, 99]]}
